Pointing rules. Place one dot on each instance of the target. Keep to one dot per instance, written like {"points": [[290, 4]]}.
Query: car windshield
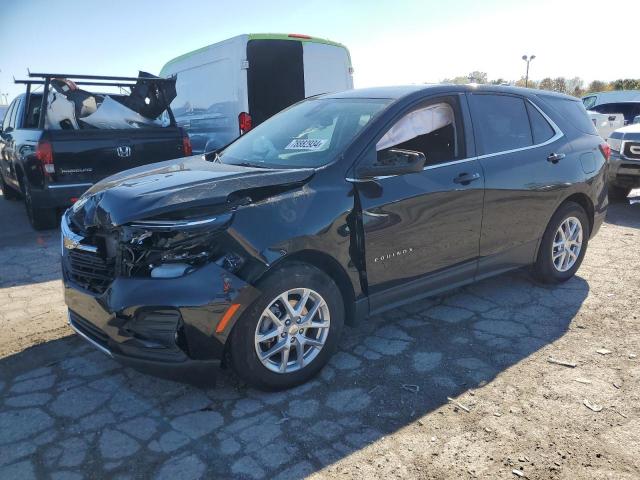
{"points": [[310, 134]]}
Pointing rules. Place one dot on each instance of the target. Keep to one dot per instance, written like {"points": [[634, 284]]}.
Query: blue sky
{"points": [[391, 42]]}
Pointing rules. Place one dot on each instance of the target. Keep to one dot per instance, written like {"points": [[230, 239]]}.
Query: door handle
{"points": [[466, 178], [555, 157]]}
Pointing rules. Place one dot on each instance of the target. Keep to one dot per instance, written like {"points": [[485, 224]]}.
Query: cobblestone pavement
{"points": [[379, 409]]}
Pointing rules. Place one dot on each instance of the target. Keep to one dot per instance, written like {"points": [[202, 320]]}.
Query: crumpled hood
{"points": [[164, 187]]}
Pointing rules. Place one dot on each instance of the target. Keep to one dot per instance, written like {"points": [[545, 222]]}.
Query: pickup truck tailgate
{"points": [[88, 156]]}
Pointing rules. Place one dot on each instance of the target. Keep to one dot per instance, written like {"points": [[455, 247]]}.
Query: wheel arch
{"points": [[581, 199], [332, 268], [585, 202]]}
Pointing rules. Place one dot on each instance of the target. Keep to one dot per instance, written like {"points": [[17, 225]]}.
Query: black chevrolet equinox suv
{"points": [[340, 207]]}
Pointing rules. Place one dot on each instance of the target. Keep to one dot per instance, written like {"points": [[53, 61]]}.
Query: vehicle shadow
{"points": [[26, 256], [390, 370], [625, 213]]}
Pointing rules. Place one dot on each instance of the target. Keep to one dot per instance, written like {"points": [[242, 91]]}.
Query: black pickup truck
{"points": [[50, 160]]}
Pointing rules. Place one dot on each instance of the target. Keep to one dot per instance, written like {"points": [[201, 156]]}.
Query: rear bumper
{"points": [[165, 327], [58, 195]]}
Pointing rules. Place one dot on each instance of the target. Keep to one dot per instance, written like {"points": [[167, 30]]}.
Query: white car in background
{"points": [[227, 88]]}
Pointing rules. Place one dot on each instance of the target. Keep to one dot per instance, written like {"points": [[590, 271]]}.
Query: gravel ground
{"points": [[379, 410]]}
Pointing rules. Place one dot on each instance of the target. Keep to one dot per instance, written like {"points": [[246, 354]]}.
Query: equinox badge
{"points": [[391, 255]]}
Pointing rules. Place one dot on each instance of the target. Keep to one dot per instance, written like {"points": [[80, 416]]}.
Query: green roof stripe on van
{"points": [[260, 36], [285, 36]]}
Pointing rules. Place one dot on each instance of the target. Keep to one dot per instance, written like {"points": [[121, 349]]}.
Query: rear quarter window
{"points": [[572, 111], [540, 128]]}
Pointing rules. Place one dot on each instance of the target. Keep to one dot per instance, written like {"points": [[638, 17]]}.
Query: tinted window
{"points": [[501, 123], [14, 113], [33, 115], [7, 117], [573, 111], [540, 128]]}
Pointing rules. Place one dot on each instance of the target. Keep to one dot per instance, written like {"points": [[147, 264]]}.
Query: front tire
{"points": [[563, 245], [291, 331]]}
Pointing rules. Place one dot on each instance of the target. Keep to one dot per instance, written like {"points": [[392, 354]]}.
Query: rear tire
{"points": [[268, 316], [40, 218], [7, 192], [560, 255]]}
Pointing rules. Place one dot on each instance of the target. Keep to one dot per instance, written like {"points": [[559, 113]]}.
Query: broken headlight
{"points": [[170, 249]]}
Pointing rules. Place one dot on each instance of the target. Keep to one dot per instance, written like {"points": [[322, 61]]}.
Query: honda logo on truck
{"points": [[123, 151]]}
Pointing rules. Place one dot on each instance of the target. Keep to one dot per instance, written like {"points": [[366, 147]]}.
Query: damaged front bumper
{"points": [[168, 327]]}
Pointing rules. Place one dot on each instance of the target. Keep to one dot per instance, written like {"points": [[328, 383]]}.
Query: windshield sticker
{"points": [[306, 144]]}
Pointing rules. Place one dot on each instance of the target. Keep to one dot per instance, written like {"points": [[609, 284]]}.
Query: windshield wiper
{"points": [[249, 164]]}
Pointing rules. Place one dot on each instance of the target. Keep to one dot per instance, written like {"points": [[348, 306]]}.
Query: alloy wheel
{"points": [[567, 244], [292, 330]]}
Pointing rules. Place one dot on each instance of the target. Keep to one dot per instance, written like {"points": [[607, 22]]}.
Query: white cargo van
{"points": [[227, 88]]}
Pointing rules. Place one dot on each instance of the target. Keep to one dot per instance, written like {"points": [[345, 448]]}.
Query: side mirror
{"points": [[393, 161]]}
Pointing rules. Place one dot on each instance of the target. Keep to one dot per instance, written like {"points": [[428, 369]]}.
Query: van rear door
{"points": [[275, 78]]}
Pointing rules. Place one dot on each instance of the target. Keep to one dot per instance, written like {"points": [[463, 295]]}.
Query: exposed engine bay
{"points": [[71, 108]]}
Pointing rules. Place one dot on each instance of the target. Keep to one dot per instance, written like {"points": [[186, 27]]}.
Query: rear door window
{"points": [[540, 128], [500, 122], [32, 117]]}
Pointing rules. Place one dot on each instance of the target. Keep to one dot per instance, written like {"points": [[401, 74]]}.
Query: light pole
{"points": [[528, 60]]}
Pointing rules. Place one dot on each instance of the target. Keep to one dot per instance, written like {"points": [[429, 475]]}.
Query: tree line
{"points": [[572, 86]]}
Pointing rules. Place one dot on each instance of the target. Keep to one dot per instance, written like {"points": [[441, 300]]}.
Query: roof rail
{"points": [[97, 77], [109, 81], [96, 84]]}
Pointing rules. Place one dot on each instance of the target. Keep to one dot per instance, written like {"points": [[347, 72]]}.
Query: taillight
{"points": [[44, 154], [244, 120], [606, 150], [300, 35], [187, 149]]}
